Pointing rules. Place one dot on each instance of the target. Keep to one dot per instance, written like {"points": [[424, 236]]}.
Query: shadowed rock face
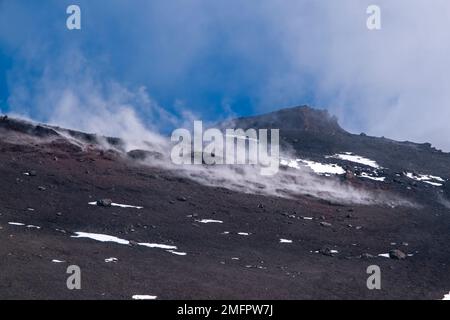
{"points": [[48, 131], [303, 119], [7, 123], [144, 154], [446, 189], [174, 238]]}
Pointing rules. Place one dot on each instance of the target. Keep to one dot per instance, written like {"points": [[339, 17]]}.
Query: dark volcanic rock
{"points": [[397, 254], [31, 173], [144, 154], [327, 251], [104, 202], [446, 189]]}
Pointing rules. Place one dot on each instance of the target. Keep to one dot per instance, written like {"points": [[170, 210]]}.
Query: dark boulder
{"points": [[327, 251], [143, 154], [104, 203], [397, 254]]}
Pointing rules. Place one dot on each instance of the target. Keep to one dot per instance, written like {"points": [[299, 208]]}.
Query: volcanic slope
{"points": [[169, 237]]}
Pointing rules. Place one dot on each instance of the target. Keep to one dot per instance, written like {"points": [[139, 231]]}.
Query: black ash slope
{"points": [[47, 181]]}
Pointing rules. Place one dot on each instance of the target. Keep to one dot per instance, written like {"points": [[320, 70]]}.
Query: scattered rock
{"points": [[31, 173], [397, 254], [133, 243], [41, 188], [367, 256], [182, 199], [327, 251], [104, 202], [349, 175]]}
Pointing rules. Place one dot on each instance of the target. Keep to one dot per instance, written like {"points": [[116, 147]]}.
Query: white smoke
{"points": [[87, 103]]}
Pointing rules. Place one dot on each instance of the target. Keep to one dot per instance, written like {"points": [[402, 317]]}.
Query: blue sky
{"points": [[213, 65], [168, 62]]}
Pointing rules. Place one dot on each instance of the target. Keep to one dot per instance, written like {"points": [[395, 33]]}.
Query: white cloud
{"points": [[392, 82]]}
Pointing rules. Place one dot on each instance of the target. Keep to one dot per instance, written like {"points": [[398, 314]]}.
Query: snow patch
{"points": [[432, 180], [112, 259], [100, 237], [143, 297], [317, 167], [23, 225], [209, 221], [434, 183], [349, 156], [323, 168], [107, 238], [157, 245], [289, 163], [16, 223], [285, 241], [94, 203], [367, 176], [177, 253]]}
